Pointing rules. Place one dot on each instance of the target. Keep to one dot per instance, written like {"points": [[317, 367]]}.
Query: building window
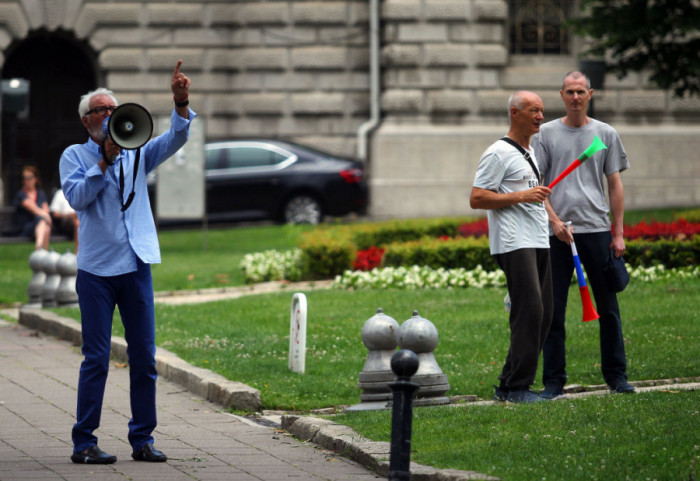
{"points": [[536, 27]]}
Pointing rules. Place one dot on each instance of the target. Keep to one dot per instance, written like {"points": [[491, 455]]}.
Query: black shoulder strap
{"points": [[525, 154]]}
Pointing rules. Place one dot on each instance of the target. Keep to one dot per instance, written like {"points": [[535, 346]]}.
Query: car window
{"points": [[215, 159], [238, 157]]}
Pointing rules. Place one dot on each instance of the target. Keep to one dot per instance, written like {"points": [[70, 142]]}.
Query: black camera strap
{"points": [[133, 184], [526, 155]]}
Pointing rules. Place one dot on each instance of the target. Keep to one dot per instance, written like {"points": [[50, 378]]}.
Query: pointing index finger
{"points": [[177, 68]]}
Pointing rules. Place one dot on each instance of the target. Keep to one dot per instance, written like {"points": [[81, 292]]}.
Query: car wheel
{"points": [[302, 209]]}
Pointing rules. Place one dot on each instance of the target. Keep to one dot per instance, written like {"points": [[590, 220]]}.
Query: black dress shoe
{"points": [[93, 455], [622, 387], [150, 454]]}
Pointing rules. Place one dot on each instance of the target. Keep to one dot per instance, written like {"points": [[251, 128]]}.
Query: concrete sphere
{"points": [[380, 332], [36, 259], [50, 261], [418, 334], [67, 264]]}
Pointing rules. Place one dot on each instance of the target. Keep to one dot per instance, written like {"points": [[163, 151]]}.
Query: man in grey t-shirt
{"points": [[507, 185], [580, 199]]}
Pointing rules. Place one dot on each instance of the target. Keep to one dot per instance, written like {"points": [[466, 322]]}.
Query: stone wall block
{"points": [[262, 59], [95, 14], [448, 10], [339, 81], [685, 105], [13, 19], [408, 101], [357, 59], [319, 58], [477, 33], [263, 104], [423, 33], [494, 102], [490, 10], [450, 101], [264, 13], [414, 78], [166, 58], [358, 104], [225, 14], [396, 10], [224, 59], [447, 55], [319, 13], [397, 55], [224, 104], [318, 103], [175, 14], [491, 55], [643, 102], [122, 59]]}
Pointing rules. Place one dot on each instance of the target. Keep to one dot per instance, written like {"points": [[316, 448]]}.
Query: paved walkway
{"points": [[38, 379]]}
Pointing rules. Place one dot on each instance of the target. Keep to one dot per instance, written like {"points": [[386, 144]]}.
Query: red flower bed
{"points": [[474, 229], [679, 230], [368, 259]]}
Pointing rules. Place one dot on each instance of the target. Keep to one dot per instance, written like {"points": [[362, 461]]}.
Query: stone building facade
{"points": [[305, 70]]}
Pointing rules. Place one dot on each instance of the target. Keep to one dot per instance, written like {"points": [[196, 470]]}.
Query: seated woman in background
{"points": [[32, 215]]}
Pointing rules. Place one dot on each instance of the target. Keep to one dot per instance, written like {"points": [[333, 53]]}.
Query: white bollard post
{"points": [[297, 334]]}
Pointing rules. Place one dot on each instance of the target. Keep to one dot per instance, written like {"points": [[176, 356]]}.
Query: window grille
{"points": [[536, 26]]}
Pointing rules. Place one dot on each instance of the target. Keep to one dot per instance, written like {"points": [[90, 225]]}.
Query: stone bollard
{"points": [[421, 336], [404, 363], [67, 268], [380, 335], [48, 291], [36, 284]]}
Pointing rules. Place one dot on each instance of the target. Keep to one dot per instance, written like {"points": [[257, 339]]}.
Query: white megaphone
{"points": [[130, 126]]}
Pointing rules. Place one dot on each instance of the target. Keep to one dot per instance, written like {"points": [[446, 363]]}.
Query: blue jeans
{"points": [[97, 297], [593, 251]]}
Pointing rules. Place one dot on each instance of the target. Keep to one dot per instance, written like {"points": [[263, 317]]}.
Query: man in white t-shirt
{"points": [[64, 216], [507, 184]]}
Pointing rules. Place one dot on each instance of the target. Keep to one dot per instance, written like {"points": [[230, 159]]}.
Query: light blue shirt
{"points": [[111, 240]]}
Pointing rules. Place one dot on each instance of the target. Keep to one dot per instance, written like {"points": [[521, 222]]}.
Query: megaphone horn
{"points": [[130, 126]]}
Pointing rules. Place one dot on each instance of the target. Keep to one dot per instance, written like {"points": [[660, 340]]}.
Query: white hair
{"points": [[84, 105]]}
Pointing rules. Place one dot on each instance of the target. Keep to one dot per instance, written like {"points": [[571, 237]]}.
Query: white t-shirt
{"points": [[503, 169], [60, 204]]}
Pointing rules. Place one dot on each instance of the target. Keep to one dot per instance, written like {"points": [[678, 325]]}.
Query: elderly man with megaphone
{"points": [[118, 243]]}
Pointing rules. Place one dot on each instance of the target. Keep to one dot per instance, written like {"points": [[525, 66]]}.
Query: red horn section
{"points": [[589, 312]]}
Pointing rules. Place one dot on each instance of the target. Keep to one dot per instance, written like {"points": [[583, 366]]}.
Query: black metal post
{"points": [[404, 363]]}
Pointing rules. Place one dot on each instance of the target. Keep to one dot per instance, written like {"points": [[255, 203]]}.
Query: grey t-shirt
{"points": [[503, 169], [580, 196]]}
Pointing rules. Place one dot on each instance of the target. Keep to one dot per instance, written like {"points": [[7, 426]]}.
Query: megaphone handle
{"points": [[108, 161]]}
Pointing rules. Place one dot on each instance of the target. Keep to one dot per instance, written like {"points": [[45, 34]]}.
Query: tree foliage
{"points": [[658, 36]]}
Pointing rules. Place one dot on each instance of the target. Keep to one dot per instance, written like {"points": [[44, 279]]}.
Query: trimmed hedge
{"points": [[330, 251], [467, 252]]}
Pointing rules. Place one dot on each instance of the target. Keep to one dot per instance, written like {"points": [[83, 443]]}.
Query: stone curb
{"points": [[211, 386], [373, 454]]}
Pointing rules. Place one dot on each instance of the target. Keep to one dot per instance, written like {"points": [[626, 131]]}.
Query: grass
{"points": [[637, 437], [247, 339]]}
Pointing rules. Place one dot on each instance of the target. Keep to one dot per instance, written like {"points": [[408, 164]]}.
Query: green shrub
{"points": [[327, 252], [691, 215], [383, 233], [466, 252], [666, 252]]}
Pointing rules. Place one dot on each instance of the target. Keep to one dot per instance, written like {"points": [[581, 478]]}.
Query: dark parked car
{"points": [[271, 179]]}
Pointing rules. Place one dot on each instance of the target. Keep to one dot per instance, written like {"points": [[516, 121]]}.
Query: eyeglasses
{"points": [[101, 110]]}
